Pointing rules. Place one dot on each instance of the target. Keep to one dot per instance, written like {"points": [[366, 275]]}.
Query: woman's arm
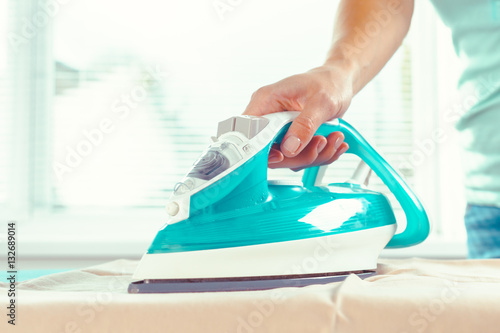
{"points": [[366, 34]]}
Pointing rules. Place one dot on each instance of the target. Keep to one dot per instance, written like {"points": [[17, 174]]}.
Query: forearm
{"points": [[366, 35]]}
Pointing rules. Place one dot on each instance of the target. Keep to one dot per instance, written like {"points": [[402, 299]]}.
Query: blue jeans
{"points": [[483, 231]]}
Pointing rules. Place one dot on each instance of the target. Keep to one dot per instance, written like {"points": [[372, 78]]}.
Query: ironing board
{"points": [[406, 296]]}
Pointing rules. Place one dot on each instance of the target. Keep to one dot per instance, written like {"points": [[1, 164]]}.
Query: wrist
{"points": [[346, 67], [341, 74]]}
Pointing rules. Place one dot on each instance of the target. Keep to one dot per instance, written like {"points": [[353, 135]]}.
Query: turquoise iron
{"points": [[229, 228]]}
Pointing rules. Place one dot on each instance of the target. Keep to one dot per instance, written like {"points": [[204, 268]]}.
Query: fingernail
{"points": [[338, 142], [292, 144], [273, 157], [321, 146], [341, 151]]}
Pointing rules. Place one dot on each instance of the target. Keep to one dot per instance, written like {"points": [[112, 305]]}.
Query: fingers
{"points": [[316, 111], [319, 151], [342, 149], [300, 133], [333, 150], [334, 141], [306, 157], [275, 156], [311, 94]]}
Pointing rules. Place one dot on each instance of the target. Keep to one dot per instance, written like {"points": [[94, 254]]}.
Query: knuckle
{"points": [[261, 92], [339, 105], [334, 104], [316, 86], [306, 123]]}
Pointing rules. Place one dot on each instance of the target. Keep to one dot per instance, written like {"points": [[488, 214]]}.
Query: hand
{"points": [[322, 94]]}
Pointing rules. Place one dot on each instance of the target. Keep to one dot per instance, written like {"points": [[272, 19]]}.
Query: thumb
{"points": [[301, 131]]}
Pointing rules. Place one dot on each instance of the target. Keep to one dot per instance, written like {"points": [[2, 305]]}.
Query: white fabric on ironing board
{"points": [[406, 296]]}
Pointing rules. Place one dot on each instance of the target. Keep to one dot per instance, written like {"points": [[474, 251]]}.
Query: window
{"points": [[115, 100]]}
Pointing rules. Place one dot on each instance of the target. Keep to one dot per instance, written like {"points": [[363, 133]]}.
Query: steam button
{"points": [[249, 126]]}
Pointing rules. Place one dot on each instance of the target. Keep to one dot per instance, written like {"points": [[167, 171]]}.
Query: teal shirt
{"points": [[475, 27]]}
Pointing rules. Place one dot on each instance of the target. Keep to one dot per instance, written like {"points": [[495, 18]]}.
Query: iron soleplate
{"points": [[154, 286]]}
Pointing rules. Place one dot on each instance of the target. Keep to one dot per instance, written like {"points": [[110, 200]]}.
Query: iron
{"points": [[230, 229]]}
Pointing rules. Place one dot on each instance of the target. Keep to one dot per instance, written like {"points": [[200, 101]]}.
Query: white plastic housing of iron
{"points": [[347, 252]]}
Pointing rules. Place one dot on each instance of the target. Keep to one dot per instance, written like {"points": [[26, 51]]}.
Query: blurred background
{"points": [[105, 105]]}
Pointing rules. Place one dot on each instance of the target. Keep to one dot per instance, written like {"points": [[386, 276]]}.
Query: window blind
{"points": [[134, 97], [131, 115]]}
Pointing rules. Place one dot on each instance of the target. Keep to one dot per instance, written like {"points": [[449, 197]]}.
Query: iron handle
{"points": [[417, 222]]}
